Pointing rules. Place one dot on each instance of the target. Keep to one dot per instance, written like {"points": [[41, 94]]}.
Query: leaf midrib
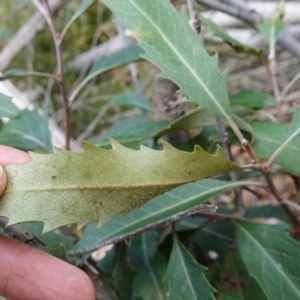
{"points": [[156, 284], [163, 210], [270, 259], [276, 142], [185, 270], [80, 188], [184, 62]]}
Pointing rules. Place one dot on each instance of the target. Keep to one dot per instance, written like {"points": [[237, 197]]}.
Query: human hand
{"points": [[29, 273]]}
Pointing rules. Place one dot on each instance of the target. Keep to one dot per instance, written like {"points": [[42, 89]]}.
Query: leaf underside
{"points": [[98, 184]]}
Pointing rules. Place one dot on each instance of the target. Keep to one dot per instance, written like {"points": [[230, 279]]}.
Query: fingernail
{"points": [[1, 171]]}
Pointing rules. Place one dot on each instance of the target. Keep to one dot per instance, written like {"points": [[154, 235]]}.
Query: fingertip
{"points": [[9, 155], [37, 275], [88, 290], [3, 180]]}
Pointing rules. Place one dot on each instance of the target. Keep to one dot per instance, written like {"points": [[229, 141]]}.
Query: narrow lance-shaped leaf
{"points": [[133, 99], [252, 99], [7, 108], [105, 63], [172, 202], [280, 138], [201, 118], [171, 45], [185, 276], [221, 33], [84, 5], [150, 267], [99, 184], [29, 132], [271, 29], [123, 272], [131, 132], [235, 282], [11, 73], [271, 257]]}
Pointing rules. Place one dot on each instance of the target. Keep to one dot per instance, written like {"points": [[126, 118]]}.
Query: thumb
{"points": [[3, 180]]}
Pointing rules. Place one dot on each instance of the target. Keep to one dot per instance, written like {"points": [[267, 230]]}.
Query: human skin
{"points": [[27, 273]]}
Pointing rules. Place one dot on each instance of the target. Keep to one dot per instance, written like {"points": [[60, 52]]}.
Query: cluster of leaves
{"points": [[198, 257]]}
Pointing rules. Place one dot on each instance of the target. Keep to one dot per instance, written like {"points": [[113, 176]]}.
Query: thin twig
{"points": [[13, 14], [94, 123], [195, 22], [25, 34], [290, 44], [132, 66], [215, 217], [272, 72], [288, 210], [21, 235], [40, 74], [90, 266], [292, 204], [288, 86], [252, 18], [209, 208], [60, 69], [238, 197], [247, 147]]}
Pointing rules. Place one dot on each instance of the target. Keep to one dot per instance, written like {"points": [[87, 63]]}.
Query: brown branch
{"points": [[25, 34], [60, 73], [292, 213], [195, 22], [238, 197], [272, 73]]}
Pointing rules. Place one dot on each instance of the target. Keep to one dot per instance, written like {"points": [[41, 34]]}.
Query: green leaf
{"points": [[99, 184], [105, 63], [84, 5], [270, 136], [215, 237], [202, 118], [267, 211], [185, 276], [148, 281], [59, 251], [195, 118], [221, 33], [271, 257], [252, 99], [29, 132], [235, 283], [7, 108], [271, 29], [11, 73], [175, 201], [53, 237], [14, 73], [170, 44], [123, 272], [133, 99], [131, 132]]}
